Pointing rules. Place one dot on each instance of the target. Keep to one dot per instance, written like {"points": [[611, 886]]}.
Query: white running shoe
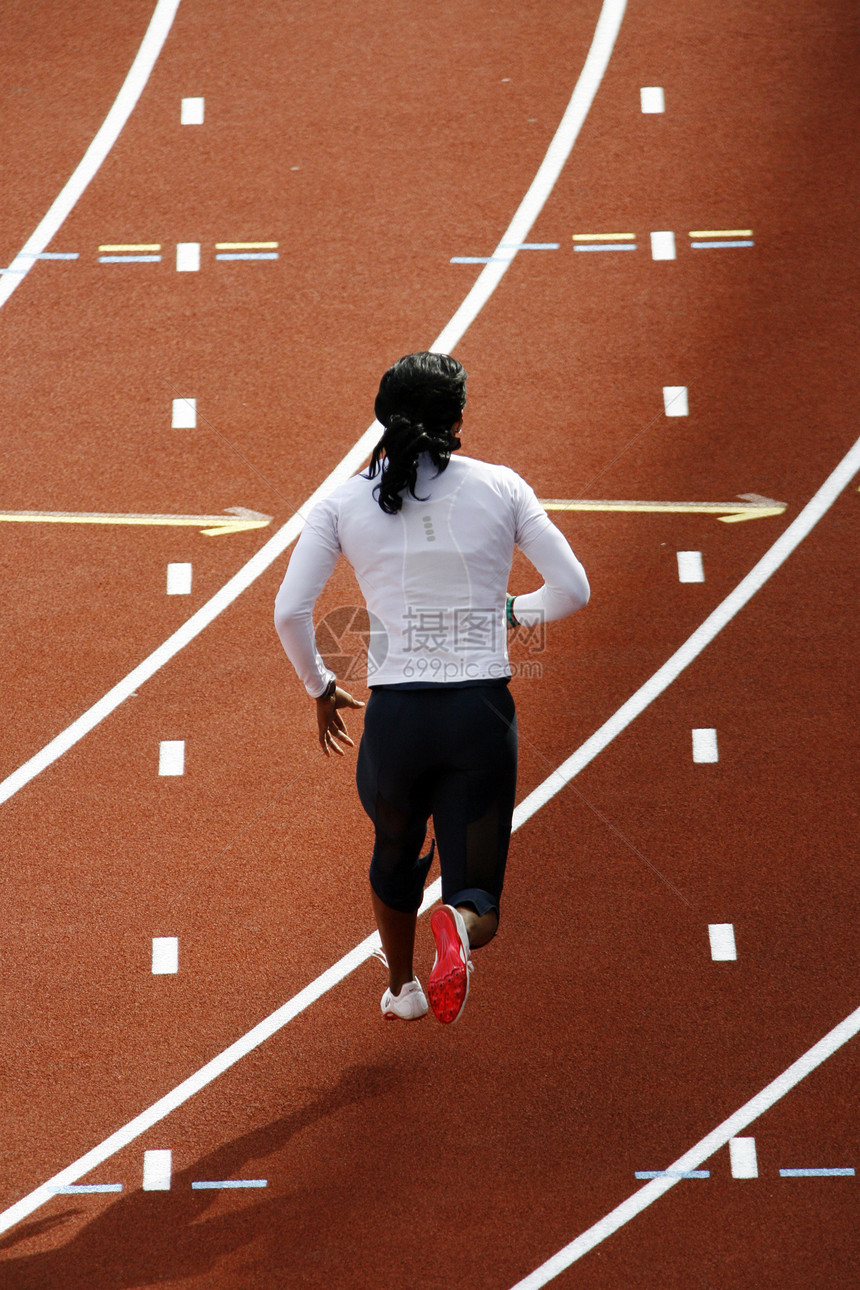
{"points": [[409, 1005]]}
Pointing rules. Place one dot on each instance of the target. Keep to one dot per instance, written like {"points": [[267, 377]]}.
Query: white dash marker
{"points": [[165, 955], [652, 98], [191, 112], [179, 580], [171, 757], [157, 1167], [663, 245], [690, 567], [743, 1157], [675, 401], [722, 938], [184, 414], [705, 746], [187, 257]]}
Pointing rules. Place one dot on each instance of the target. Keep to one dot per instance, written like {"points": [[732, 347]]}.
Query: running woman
{"points": [[431, 538]]}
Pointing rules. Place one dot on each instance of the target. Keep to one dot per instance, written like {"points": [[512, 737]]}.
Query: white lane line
{"points": [[171, 757], [165, 955], [191, 111], [559, 149], [705, 746], [645, 695], [663, 245], [157, 1169], [179, 579], [85, 1188], [107, 135], [675, 401], [605, 33], [230, 1182], [652, 98], [744, 1163], [722, 939], [692, 1159], [184, 416], [187, 257], [690, 566]]}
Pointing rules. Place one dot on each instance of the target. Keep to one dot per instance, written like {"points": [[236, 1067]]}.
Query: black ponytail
{"points": [[421, 398]]}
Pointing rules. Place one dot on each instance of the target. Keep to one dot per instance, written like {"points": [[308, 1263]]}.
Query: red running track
{"points": [[600, 1037]]}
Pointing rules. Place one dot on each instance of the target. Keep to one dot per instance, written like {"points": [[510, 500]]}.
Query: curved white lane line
{"points": [[736, 599], [696, 1156], [106, 136], [559, 149], [593, 69]]}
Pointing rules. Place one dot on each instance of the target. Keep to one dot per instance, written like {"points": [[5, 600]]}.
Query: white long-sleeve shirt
{"points": [[434, 576]]}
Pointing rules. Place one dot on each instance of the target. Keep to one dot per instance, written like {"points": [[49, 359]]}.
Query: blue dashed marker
{"points": [[673, 1173]]}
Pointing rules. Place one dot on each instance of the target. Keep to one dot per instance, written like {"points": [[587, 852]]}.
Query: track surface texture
{"points": [[373, 142]]}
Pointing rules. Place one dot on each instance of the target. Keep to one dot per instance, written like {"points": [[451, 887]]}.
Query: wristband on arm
{"points": [[509, 612]]}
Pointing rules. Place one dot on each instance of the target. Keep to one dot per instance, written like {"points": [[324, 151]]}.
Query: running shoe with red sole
{"points": [[448, 987]]}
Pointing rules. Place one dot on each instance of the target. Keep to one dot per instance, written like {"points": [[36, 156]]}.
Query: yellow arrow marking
{"points": [[216, 525], [750, 507]]}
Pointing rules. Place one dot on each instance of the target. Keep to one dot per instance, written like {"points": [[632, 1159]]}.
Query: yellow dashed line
{"points": [[604, 237], [131, 246], [245, 246], [722, 232]]}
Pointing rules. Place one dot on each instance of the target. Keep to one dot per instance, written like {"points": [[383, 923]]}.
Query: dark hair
{"points": [[421, 398]]}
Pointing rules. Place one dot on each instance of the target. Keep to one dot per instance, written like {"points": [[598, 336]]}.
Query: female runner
{"points": [[431, 539]]}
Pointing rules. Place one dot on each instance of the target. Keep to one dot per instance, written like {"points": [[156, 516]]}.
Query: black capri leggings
{"points": [[450, 753]]}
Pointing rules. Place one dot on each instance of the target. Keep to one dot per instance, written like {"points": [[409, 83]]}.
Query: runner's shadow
{"points": [[147, 1237]]}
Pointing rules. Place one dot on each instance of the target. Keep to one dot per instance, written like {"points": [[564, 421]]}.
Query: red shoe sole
{"points": [[448, 986]]}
